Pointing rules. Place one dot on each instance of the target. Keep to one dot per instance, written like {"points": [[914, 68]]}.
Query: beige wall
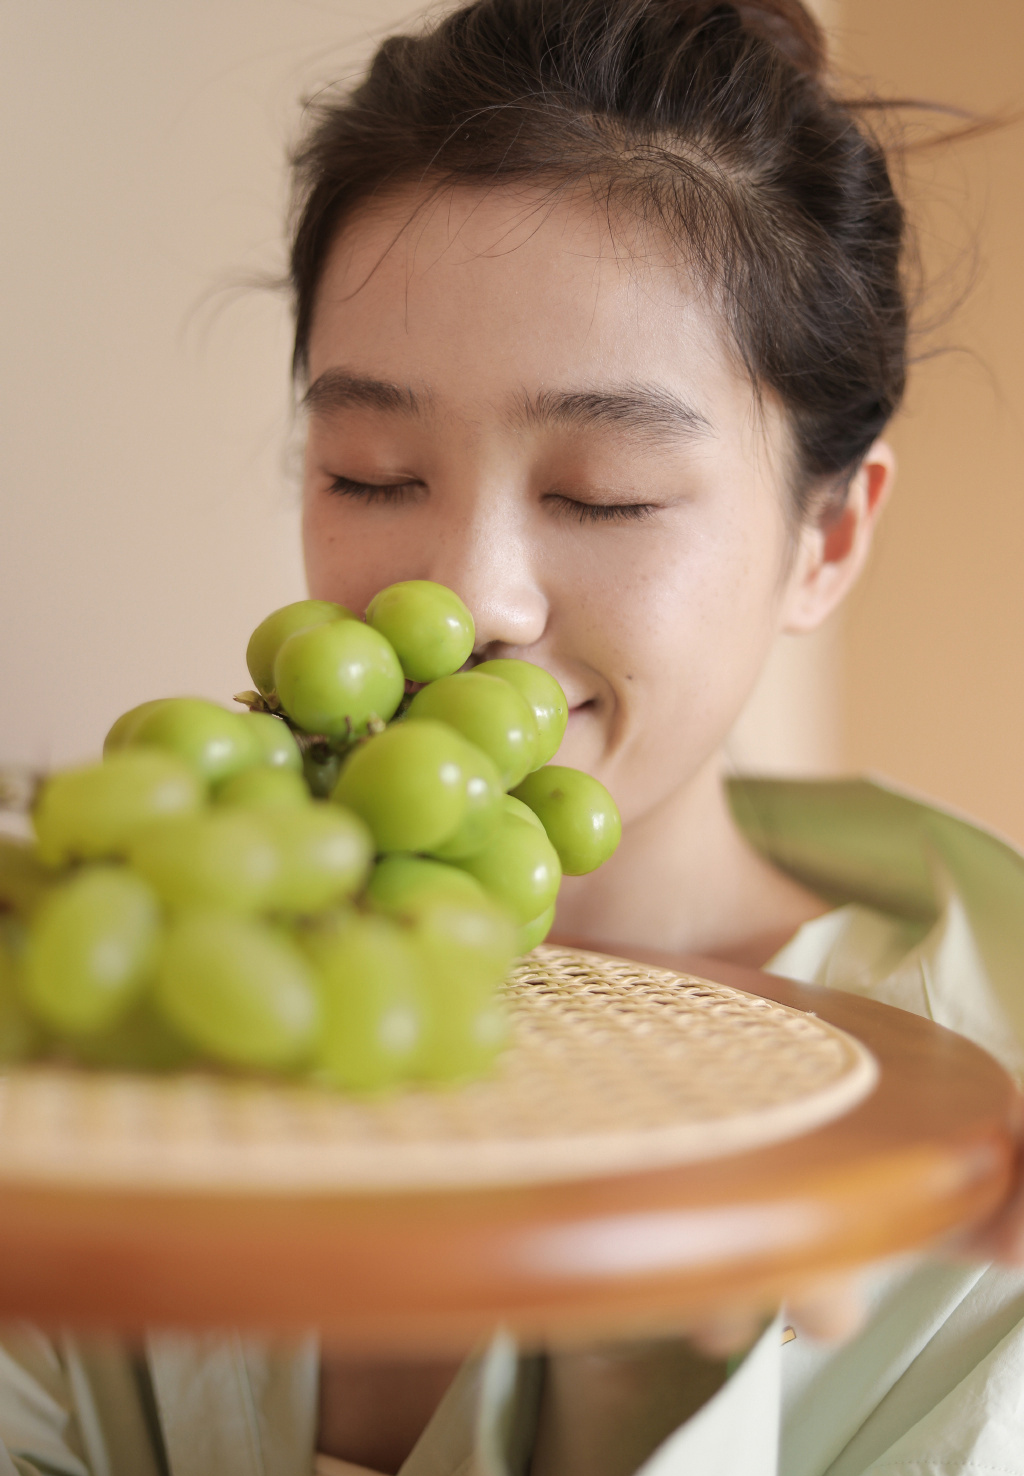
{"points": [[934, 641], [147, 508]]}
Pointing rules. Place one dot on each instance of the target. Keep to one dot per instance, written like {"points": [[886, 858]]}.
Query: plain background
{"points": [[148, 476], [933, 671]]}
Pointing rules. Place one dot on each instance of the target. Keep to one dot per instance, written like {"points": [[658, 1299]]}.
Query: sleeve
{"points": [[71, 1407], [38, 1430]]}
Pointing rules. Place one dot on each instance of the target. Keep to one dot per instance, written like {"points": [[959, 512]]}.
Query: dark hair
{"points": [[715, 122]]}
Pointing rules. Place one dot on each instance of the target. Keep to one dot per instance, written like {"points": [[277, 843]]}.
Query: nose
{"points": [[485, 554]]}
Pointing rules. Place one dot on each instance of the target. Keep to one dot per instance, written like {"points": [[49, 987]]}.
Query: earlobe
{"points": [[834, 549]]}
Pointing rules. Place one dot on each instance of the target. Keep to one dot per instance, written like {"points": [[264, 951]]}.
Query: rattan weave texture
{"points": [[614, 1067]]}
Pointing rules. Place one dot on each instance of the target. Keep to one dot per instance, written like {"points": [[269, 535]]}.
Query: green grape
{"points": [[536, 931], [24, 880], [372, 1002], [271, 634], [408, 784], [544, 695], [222, 858], [487, 711], [239, 989], [404, 885], [93, 812], [513, 806], [215, 742], [274, 740], [337, 679], [325, 853], [140, 1041], [20, 1037], [484, 800], [90, 950], [121, 732], [429, 627], [264, 788], [465, 952], [580, 817], [320, 769], [518, 868]]}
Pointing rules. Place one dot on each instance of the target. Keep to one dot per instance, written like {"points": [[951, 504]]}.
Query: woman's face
{"points": [[505, 399]]}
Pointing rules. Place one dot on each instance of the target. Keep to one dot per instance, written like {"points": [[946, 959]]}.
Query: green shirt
{"points": [[928, 915]]}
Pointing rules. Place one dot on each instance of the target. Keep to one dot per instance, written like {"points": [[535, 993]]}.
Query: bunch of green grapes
{"points": [[332, 884]]}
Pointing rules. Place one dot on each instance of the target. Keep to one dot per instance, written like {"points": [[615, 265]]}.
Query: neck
{"points": [[684, 880]]}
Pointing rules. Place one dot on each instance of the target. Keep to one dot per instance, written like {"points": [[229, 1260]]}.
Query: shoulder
{"points": [[867, 841], [930, 904]]}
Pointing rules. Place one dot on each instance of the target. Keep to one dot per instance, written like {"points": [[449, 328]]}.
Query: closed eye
{"points": [[601, 512], [372, 492]]}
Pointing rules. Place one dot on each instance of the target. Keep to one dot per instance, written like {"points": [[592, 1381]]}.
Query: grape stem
{"points": [[256, 702], [19, 787]]}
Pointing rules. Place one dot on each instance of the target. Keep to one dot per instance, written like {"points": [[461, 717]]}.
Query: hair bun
{"points": [[790, 27]]}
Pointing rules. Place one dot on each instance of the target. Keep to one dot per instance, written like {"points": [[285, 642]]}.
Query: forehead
{"points": [[473, 296]]}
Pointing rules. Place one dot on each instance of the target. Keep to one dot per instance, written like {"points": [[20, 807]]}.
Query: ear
{"points": [[834, 548]]}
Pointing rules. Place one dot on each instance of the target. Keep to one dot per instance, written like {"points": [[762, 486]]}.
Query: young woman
{"points": [[599, 322]]}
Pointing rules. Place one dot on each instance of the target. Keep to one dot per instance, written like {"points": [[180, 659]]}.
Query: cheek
{"points": [[679, 640], [682, 609], [316, 547], [344, 560], [324, 547]]}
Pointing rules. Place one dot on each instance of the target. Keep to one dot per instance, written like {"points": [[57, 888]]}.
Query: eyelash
{"points": [[602, 512], [583, 512], [369, 492]]}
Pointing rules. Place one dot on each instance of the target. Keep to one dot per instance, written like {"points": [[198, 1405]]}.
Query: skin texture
{"points": [[557, 429]]}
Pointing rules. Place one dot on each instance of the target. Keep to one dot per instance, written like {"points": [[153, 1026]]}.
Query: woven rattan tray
{"points": [[613, 1067], [659, 1141]]}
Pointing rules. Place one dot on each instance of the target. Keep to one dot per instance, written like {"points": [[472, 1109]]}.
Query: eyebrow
{"points": [[641, 409], [337, 389], [645, 410]]}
